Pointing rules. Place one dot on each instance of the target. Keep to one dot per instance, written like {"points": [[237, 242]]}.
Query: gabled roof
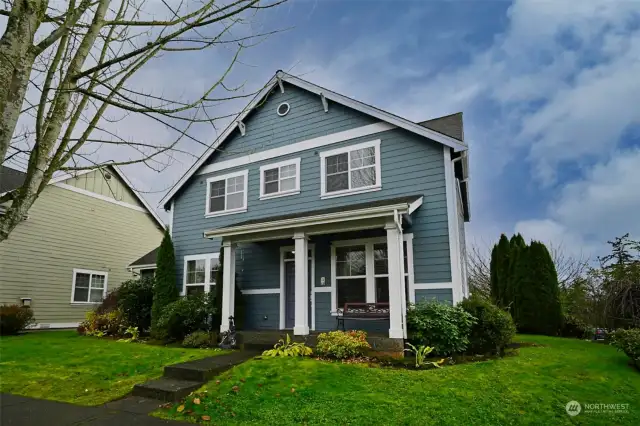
{"points": [[10, 179], [277, 80], [450, 125], [146, 260], [13, 179]]}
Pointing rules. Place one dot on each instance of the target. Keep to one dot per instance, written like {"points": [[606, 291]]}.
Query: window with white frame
{"points": [[88, 286], [362, 271], [280, 179], [199, 273], [351, 169], [227, 194]]}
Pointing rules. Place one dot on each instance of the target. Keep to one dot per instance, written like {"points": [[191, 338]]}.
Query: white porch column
{"points": [[396, 280], [301, 323], [228, 284]]}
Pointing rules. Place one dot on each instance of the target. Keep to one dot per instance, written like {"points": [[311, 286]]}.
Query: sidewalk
{"points": [[22, 411]]}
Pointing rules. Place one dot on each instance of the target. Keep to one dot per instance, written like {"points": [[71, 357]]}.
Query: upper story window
{"points": [[280, 179], [227, 194], [350, 170]]}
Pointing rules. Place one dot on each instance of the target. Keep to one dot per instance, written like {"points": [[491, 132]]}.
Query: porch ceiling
{"points": [[320, 219]]}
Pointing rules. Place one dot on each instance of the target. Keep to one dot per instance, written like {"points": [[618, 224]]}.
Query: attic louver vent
{"points": [[283, 109]]}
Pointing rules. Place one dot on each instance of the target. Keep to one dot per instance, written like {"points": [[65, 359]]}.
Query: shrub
{"points": [[493, 330], [442, 326], [165, 290], [108, 324], [575, 327], [109, 303], [135, 298], [182, 317], [288, 348], [628, 341], [15, 318], [200, 339], [342, 344]]}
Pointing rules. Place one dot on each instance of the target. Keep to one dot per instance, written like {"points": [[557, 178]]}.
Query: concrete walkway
{"points": [[22, 411]]}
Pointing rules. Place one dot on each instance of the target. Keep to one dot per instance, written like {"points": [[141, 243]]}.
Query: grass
{"points": [[531, 388], [63, 366]]}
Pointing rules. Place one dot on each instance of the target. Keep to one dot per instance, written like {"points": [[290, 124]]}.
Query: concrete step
{"points": [[203, 370], [166, 389]]}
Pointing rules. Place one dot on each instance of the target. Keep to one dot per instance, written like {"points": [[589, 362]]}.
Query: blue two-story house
{"points": [[318, 200]]}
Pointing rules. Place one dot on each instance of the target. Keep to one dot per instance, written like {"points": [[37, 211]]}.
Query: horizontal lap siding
{"points": [[262, 311], [67, 230]]}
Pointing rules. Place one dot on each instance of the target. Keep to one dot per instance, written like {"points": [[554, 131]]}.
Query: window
{"points": [[227, 194], [88, 286], [349, 170], [351, 275], [199, 273], [361, 270], [278, 180]]}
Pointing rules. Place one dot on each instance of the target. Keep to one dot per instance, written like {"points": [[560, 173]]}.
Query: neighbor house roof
{"points": [[427, 131], [13, 179], [10, 179], [148, 259], [450, 125]]}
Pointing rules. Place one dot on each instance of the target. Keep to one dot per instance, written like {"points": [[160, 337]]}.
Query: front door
{"points": [[290, 293]]}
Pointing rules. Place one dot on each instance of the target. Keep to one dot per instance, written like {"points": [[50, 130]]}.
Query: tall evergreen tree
{"points": [[500, 270], [165, 290]]}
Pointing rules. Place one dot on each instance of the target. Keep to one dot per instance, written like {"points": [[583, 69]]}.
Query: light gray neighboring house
{"points": [[317, 200]]}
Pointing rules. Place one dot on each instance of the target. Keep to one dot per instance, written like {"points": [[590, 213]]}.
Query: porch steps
{"points": [[179, 380]]}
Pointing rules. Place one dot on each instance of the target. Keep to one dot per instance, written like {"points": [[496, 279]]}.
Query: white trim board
{"points": [[333, 138], [277, 79], [53, 325], [100, 197], [433, 286], [261, 291], [452, 220]]}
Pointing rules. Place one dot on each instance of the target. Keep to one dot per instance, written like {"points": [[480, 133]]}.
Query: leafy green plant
{"points": [[133, 332], [95, 333], [288, 348], [493, 330], [421, 352], [135, 298], [445, 327], [182, 317], [342, 344], [106, 324], [628, 341], [200, 339], [15, 318]]}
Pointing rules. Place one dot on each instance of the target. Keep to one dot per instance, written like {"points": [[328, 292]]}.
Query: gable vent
{"points": [[283, 109]]}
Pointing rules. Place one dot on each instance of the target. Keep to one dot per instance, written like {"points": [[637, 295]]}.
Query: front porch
{"points": [[298, 272]]}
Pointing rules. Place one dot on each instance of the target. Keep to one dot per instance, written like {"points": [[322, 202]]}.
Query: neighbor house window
{"points": [[88, 286], [280, 179], [361, 269], [352, 169], [199, 273], [227, 194]]}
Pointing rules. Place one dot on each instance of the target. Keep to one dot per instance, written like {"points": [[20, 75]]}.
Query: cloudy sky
{"points": [[550, 92]]}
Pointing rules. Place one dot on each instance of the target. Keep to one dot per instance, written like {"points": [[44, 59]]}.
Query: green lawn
{"points": [[531, 388], [63, 366]]}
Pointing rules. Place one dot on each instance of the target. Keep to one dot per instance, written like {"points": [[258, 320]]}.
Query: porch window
{"points": [[362, 271], [199, 273], [227, 194], [88, 286], [351, 279], [280, 179], [351, 169]]}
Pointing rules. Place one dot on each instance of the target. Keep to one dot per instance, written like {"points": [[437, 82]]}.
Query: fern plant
{"points": [[288, 348], [421, 352]]}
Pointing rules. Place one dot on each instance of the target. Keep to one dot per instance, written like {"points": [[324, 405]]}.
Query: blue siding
{"points": [[444, 295], [262, 311], [410, 165]]}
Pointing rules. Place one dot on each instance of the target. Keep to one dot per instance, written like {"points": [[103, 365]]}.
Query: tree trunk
{"points": [[16, 60]]}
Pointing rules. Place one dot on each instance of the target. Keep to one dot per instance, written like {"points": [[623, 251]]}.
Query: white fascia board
{"points": [[275, 225]]}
